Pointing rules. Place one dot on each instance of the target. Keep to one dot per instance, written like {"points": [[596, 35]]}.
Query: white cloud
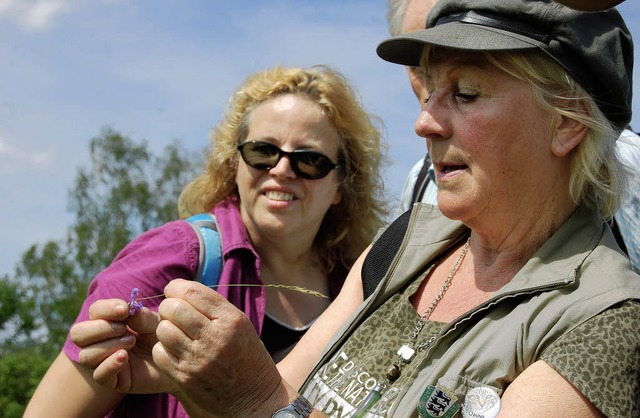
{"points": [[6, 6], [41, 14], [14, 160], [34, 15]]}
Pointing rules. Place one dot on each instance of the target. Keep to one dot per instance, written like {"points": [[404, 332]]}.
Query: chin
{"points": [[453, 215], [457, 209]]}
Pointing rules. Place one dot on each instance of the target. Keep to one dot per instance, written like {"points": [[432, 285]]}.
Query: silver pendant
{"points": [[406, 353]]}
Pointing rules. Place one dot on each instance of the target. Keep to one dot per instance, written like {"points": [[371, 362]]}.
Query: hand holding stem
{"points": [[117, 347]]}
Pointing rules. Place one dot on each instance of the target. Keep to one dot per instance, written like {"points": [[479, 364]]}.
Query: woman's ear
{"points": [[337, 198], [568, 134]]}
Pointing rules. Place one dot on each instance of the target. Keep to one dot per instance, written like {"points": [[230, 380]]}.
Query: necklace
{"points": [[407, 352]]}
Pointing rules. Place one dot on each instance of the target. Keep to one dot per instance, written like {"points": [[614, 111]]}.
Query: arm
{"points": [[217, 362], [148, 262], [208, 347], [300, 361], [540, 392], [215, 359], [64, 377]]}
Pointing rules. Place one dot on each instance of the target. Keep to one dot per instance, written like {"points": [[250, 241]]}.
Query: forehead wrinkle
{"points": [[455, 62]]}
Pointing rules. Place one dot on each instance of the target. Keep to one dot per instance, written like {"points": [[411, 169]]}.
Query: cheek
{"points": [[488, 151], [329, 193], [240, 174], [507, 160], [246, 179]]}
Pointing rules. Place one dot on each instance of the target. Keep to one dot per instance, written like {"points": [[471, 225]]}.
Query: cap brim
{"points": [[407, 49]]}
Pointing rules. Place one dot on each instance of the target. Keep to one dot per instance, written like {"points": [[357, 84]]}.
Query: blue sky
{"points": [[161, 70]]}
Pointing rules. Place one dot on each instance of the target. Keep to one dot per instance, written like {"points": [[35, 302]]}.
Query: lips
{"points": [[450, 168], [279, 196]]}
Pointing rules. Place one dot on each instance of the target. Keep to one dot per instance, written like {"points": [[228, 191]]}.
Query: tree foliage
{"points": [[124, 191]]}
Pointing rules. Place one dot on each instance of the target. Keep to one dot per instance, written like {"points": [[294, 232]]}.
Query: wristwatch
{"points": [[300, 408]]}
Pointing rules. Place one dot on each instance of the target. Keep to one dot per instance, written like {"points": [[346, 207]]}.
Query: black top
{"points": [[277, 336]]}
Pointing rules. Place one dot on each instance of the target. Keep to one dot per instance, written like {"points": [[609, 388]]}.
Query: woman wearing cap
{"points": [[293, 180], [512, 299]]}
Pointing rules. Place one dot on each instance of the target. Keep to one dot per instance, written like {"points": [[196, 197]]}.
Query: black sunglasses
{"points": [[306, 164]]}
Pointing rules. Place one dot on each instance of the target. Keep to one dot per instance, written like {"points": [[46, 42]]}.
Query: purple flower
{"points": [[134, 305]]}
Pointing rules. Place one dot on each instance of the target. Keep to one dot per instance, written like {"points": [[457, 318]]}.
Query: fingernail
{"points": [[120, 309], [118, 326], [127, 339]]}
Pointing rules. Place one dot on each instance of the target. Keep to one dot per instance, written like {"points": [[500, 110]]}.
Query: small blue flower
{"points": [[134, 305]]}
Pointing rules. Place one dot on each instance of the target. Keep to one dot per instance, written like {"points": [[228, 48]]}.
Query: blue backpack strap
{"points": [[210, 258]]}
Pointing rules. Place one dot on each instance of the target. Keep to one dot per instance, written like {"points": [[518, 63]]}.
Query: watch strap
{"points": [[300, 407]]}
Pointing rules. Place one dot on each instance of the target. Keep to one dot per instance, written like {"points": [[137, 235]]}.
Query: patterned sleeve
{"points": [[601, 358]]}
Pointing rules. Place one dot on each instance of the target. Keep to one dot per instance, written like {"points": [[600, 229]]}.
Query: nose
{"points": [[283, 168], [432, 120]]}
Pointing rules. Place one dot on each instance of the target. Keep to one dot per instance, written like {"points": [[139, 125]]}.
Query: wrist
{"points": [[287, 403], [299, 408]]}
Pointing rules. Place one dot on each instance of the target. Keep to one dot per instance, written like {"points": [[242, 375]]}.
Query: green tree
{"points": [[124, 191]]}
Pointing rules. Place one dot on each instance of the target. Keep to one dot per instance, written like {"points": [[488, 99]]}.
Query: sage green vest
{"points": [[576, 274]]}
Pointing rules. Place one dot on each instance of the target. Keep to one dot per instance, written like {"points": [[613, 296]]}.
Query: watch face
{"points": [[285, 414], [300, 408]]}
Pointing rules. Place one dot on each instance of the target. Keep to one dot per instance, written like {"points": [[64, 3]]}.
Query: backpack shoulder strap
{"points": [[210, 258], [618, 235], [382, 253], [422, 180]]}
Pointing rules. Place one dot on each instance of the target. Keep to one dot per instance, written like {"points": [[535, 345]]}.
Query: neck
{"points": [[284, 266], [301, 270], [503, 254], [284, 253]]}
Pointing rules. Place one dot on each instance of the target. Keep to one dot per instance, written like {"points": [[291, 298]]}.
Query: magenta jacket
{"points": [[168, 252]]}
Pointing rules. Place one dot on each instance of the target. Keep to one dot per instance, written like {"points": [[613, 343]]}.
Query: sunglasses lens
{"points": [[260, 155], [312, 165], [307, 164]]}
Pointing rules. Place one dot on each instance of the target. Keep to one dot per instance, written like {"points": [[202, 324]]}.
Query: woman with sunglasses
{"points": [[293, 181]]}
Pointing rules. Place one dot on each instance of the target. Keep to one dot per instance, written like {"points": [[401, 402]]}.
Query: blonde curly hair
{"points": [[349, 226]]}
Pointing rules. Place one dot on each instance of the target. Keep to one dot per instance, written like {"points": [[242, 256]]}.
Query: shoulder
{"points": [[175, 237], [173, 231], [628, 146], [600, 357], [608, 269], [615, 326], [150, 261], [409, 183]]}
